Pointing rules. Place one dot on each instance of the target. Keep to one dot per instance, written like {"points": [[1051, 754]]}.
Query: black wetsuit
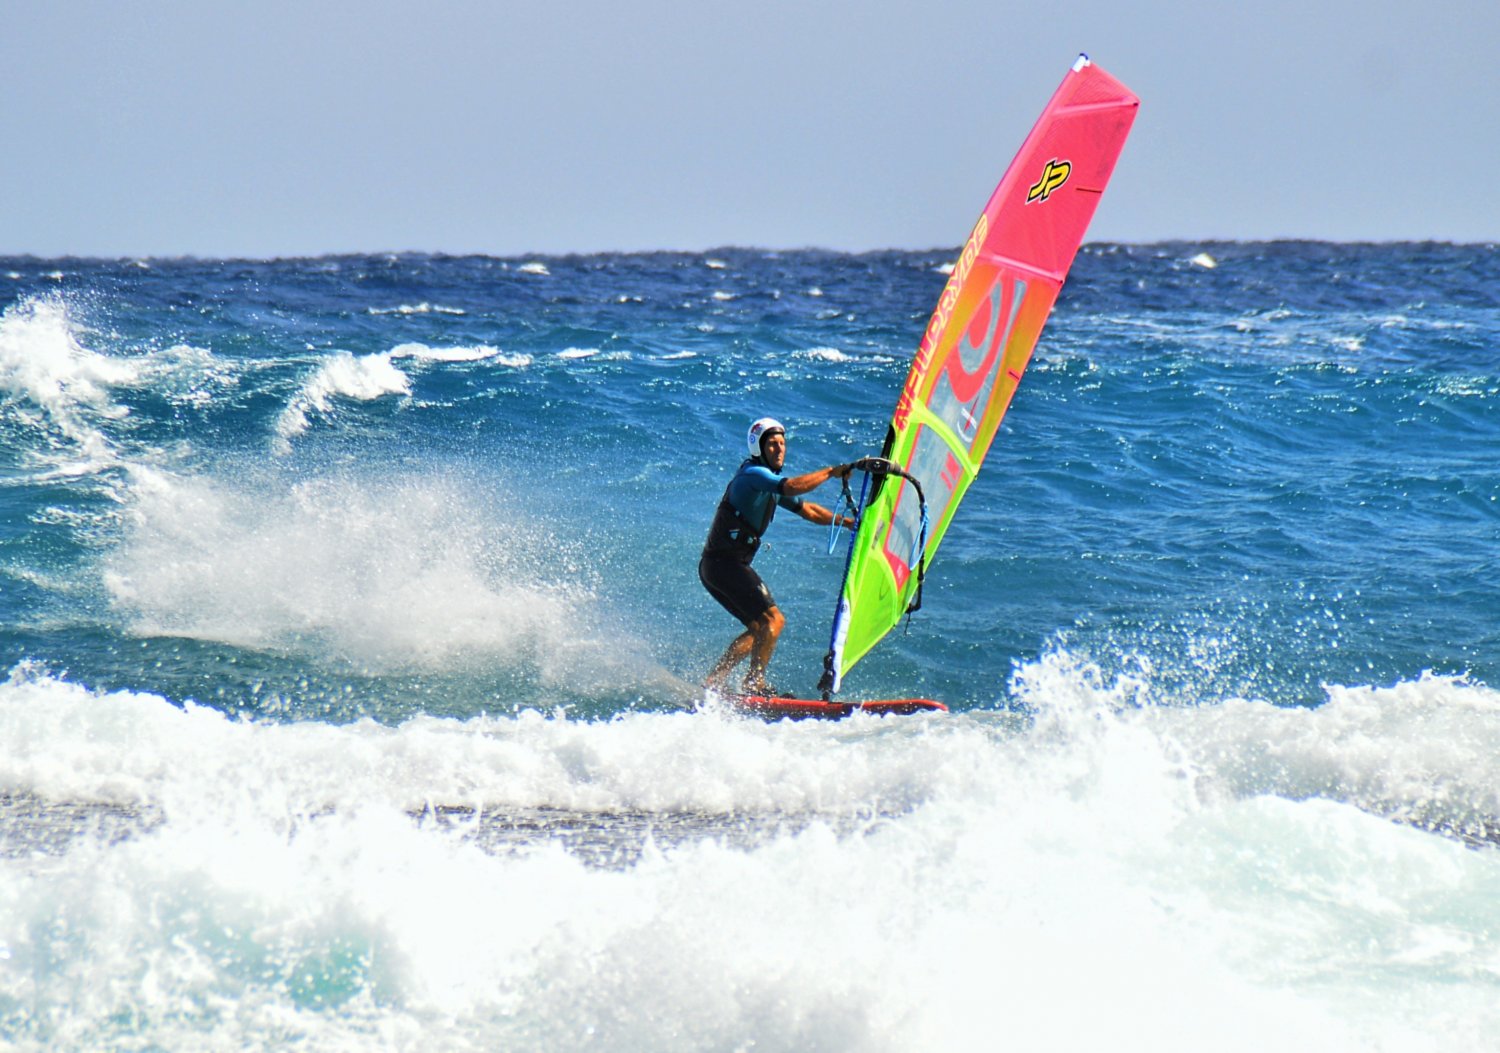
{"points": [[744, 513]]}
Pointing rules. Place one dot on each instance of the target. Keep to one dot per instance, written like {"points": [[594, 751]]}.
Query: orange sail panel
{"points": [[976, 348]]}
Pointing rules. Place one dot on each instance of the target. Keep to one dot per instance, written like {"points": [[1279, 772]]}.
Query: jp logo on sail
{"points": [[1053, 176]]}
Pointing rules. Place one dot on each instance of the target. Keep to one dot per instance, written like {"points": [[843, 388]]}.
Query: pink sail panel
{"points": [[1029, 232]]}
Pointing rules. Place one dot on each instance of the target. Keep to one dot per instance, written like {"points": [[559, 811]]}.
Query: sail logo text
{"points": [[939, 321], [1053, 176]]}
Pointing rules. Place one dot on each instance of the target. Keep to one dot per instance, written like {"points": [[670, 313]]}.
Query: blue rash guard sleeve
{"points": [[759, 478], [754, 488]]}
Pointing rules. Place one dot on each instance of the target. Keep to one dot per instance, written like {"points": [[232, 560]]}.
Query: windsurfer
{"points": [[744, 513]]}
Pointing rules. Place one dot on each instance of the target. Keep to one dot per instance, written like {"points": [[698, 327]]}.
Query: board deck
{"points": [[777, 708]]}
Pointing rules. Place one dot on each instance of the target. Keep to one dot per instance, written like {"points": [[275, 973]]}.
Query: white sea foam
{"points": [[58, 385], [461, 353], [826, 354], [578, 352], [444, 354], [386, 574], [187, 375], [342, 375], [833, 354], [418, 308], [1423, 751], [1005, 871], [535, 267]]}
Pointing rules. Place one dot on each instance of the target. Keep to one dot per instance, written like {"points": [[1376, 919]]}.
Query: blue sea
{"points": [[350, 629]]}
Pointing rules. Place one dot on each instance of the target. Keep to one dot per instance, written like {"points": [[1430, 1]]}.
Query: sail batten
{"points": [[1021, 266], [975, 350]]}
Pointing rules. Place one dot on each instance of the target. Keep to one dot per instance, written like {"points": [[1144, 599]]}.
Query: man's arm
{"points": [[797, 485], [820, 515]]}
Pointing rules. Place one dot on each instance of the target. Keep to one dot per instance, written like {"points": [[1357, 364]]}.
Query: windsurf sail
{"points": [[973, 353]]}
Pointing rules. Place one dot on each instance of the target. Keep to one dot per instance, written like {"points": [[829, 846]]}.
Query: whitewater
{"points": [[349, 625]]}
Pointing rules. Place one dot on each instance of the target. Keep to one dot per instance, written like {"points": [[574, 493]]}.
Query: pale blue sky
{"points": [[298, 128]]}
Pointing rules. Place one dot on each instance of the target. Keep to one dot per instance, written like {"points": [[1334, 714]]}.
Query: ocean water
{"points": [[349, 611]]}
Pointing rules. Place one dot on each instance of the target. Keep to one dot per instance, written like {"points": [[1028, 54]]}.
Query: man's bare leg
{"points": [[758, 642], [765, 630], [739, 648]]}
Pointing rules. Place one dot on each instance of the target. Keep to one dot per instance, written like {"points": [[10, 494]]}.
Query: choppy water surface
{"points": [[347, 607]]}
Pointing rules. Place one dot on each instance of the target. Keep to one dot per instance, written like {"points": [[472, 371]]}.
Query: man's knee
{"points": [[770, 624]]}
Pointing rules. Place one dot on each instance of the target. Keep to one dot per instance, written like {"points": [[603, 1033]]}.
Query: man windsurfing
{"points": [[744, 513]]}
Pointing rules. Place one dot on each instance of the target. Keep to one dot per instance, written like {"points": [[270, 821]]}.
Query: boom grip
{"points": [[873, 466]]}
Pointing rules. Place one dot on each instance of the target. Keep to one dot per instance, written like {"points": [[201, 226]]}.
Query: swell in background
{"points": [[411, 484]]}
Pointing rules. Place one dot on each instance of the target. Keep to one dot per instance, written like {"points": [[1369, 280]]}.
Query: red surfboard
{"points": [[777, 708]]}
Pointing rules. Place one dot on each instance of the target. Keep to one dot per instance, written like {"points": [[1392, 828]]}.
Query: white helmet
{"points": [[759, 430]]}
